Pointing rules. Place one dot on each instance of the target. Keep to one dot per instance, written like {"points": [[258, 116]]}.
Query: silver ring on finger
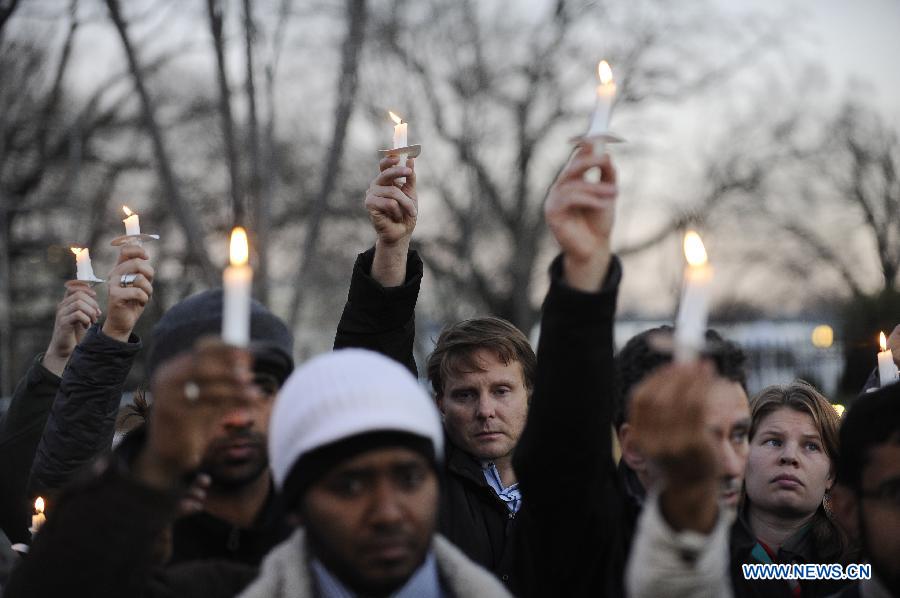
{"points": [[191, 391], [127, 280]]}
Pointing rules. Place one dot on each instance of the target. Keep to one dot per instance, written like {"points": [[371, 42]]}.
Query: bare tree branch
{"points": [[185, 214], [259, 236], [6, 11], [348, 83], [216, 19]]}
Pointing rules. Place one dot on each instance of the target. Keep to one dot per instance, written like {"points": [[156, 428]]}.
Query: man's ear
{"points": [[845, 506], [439, 399], [630, 453]]}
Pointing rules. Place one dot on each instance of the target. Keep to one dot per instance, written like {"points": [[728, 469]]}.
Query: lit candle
{"points": [[690, 325], [398, 141], [887, 369], [606, 94], [132, 223], [399, 131], [38, 519], [237, 280], [84, 270]]}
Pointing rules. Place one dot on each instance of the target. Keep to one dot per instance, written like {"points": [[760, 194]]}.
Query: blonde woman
{"points": [[790, 471]]}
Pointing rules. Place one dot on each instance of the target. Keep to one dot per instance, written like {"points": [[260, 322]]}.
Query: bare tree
{"points": [[498, 99], [356, 12], [216, 20], [185, 214]]}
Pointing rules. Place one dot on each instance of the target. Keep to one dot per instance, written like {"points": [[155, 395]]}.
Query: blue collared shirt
{"points": [[424, 582], [510, 494]]}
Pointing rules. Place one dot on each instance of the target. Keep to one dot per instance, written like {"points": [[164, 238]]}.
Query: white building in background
{"points": [[778, 351]]}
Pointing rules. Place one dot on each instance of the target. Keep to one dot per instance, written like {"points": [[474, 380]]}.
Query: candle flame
{"points": [[395, 118], [883, 341], [839, 408], [604, 72], [39, 504], [127, 211], [76, 250], [694, 251], [240, 251]]}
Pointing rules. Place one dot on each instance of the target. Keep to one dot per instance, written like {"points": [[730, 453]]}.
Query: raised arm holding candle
{"points": [[690, 325], [238, 282]]}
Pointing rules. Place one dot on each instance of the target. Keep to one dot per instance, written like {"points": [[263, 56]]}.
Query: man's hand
{"points": [[126, 304], [893, 343], [393, 211], [74, 315], [192, 392], [580, 215], [668, 418]]}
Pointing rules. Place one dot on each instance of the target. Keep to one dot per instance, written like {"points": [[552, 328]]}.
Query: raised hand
{"points": [[74, 315], [192, 392], [130, 288], [580, 215], [393, 211], [668, 416]]}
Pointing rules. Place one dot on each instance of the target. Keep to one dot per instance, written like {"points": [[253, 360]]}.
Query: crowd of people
{"points": [[237, 474]]}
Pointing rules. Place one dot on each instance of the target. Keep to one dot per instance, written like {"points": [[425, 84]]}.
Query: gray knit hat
{"points": [[199, 315], [342, 403]]}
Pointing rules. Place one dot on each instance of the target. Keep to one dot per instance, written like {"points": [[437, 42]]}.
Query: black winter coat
{"points": [[577, 530], [20, 432], [83, 418]]}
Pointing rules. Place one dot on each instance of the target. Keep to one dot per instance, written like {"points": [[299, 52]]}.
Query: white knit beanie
{"points": [[343, 394]]}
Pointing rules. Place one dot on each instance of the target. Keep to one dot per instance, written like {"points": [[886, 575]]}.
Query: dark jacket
{"points": [[203, 536], [800, 548], [83, 418], [81, 428], [20, 432], [564, 459], [101, 539], [471, 515]]}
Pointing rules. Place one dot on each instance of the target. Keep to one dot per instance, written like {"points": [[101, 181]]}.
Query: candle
{"points": [[132, 223], [606, 94], [237, 280], [37, 520], [84, 270], [399, 131], [690, 325], [398, 141], [887, 369]]}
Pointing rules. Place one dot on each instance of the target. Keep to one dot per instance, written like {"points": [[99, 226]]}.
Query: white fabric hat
{"points": [[342, 394]]}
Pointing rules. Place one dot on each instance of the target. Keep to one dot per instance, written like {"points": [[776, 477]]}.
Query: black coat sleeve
{"points": [[379, 318], [99, 539], [82, 421], [564, 458], [20, 431]]}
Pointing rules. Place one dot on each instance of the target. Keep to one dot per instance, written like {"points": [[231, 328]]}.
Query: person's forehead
{"points": [[491, 369], [883, 464], [381, 458], [786, 419], [727, 404]]}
